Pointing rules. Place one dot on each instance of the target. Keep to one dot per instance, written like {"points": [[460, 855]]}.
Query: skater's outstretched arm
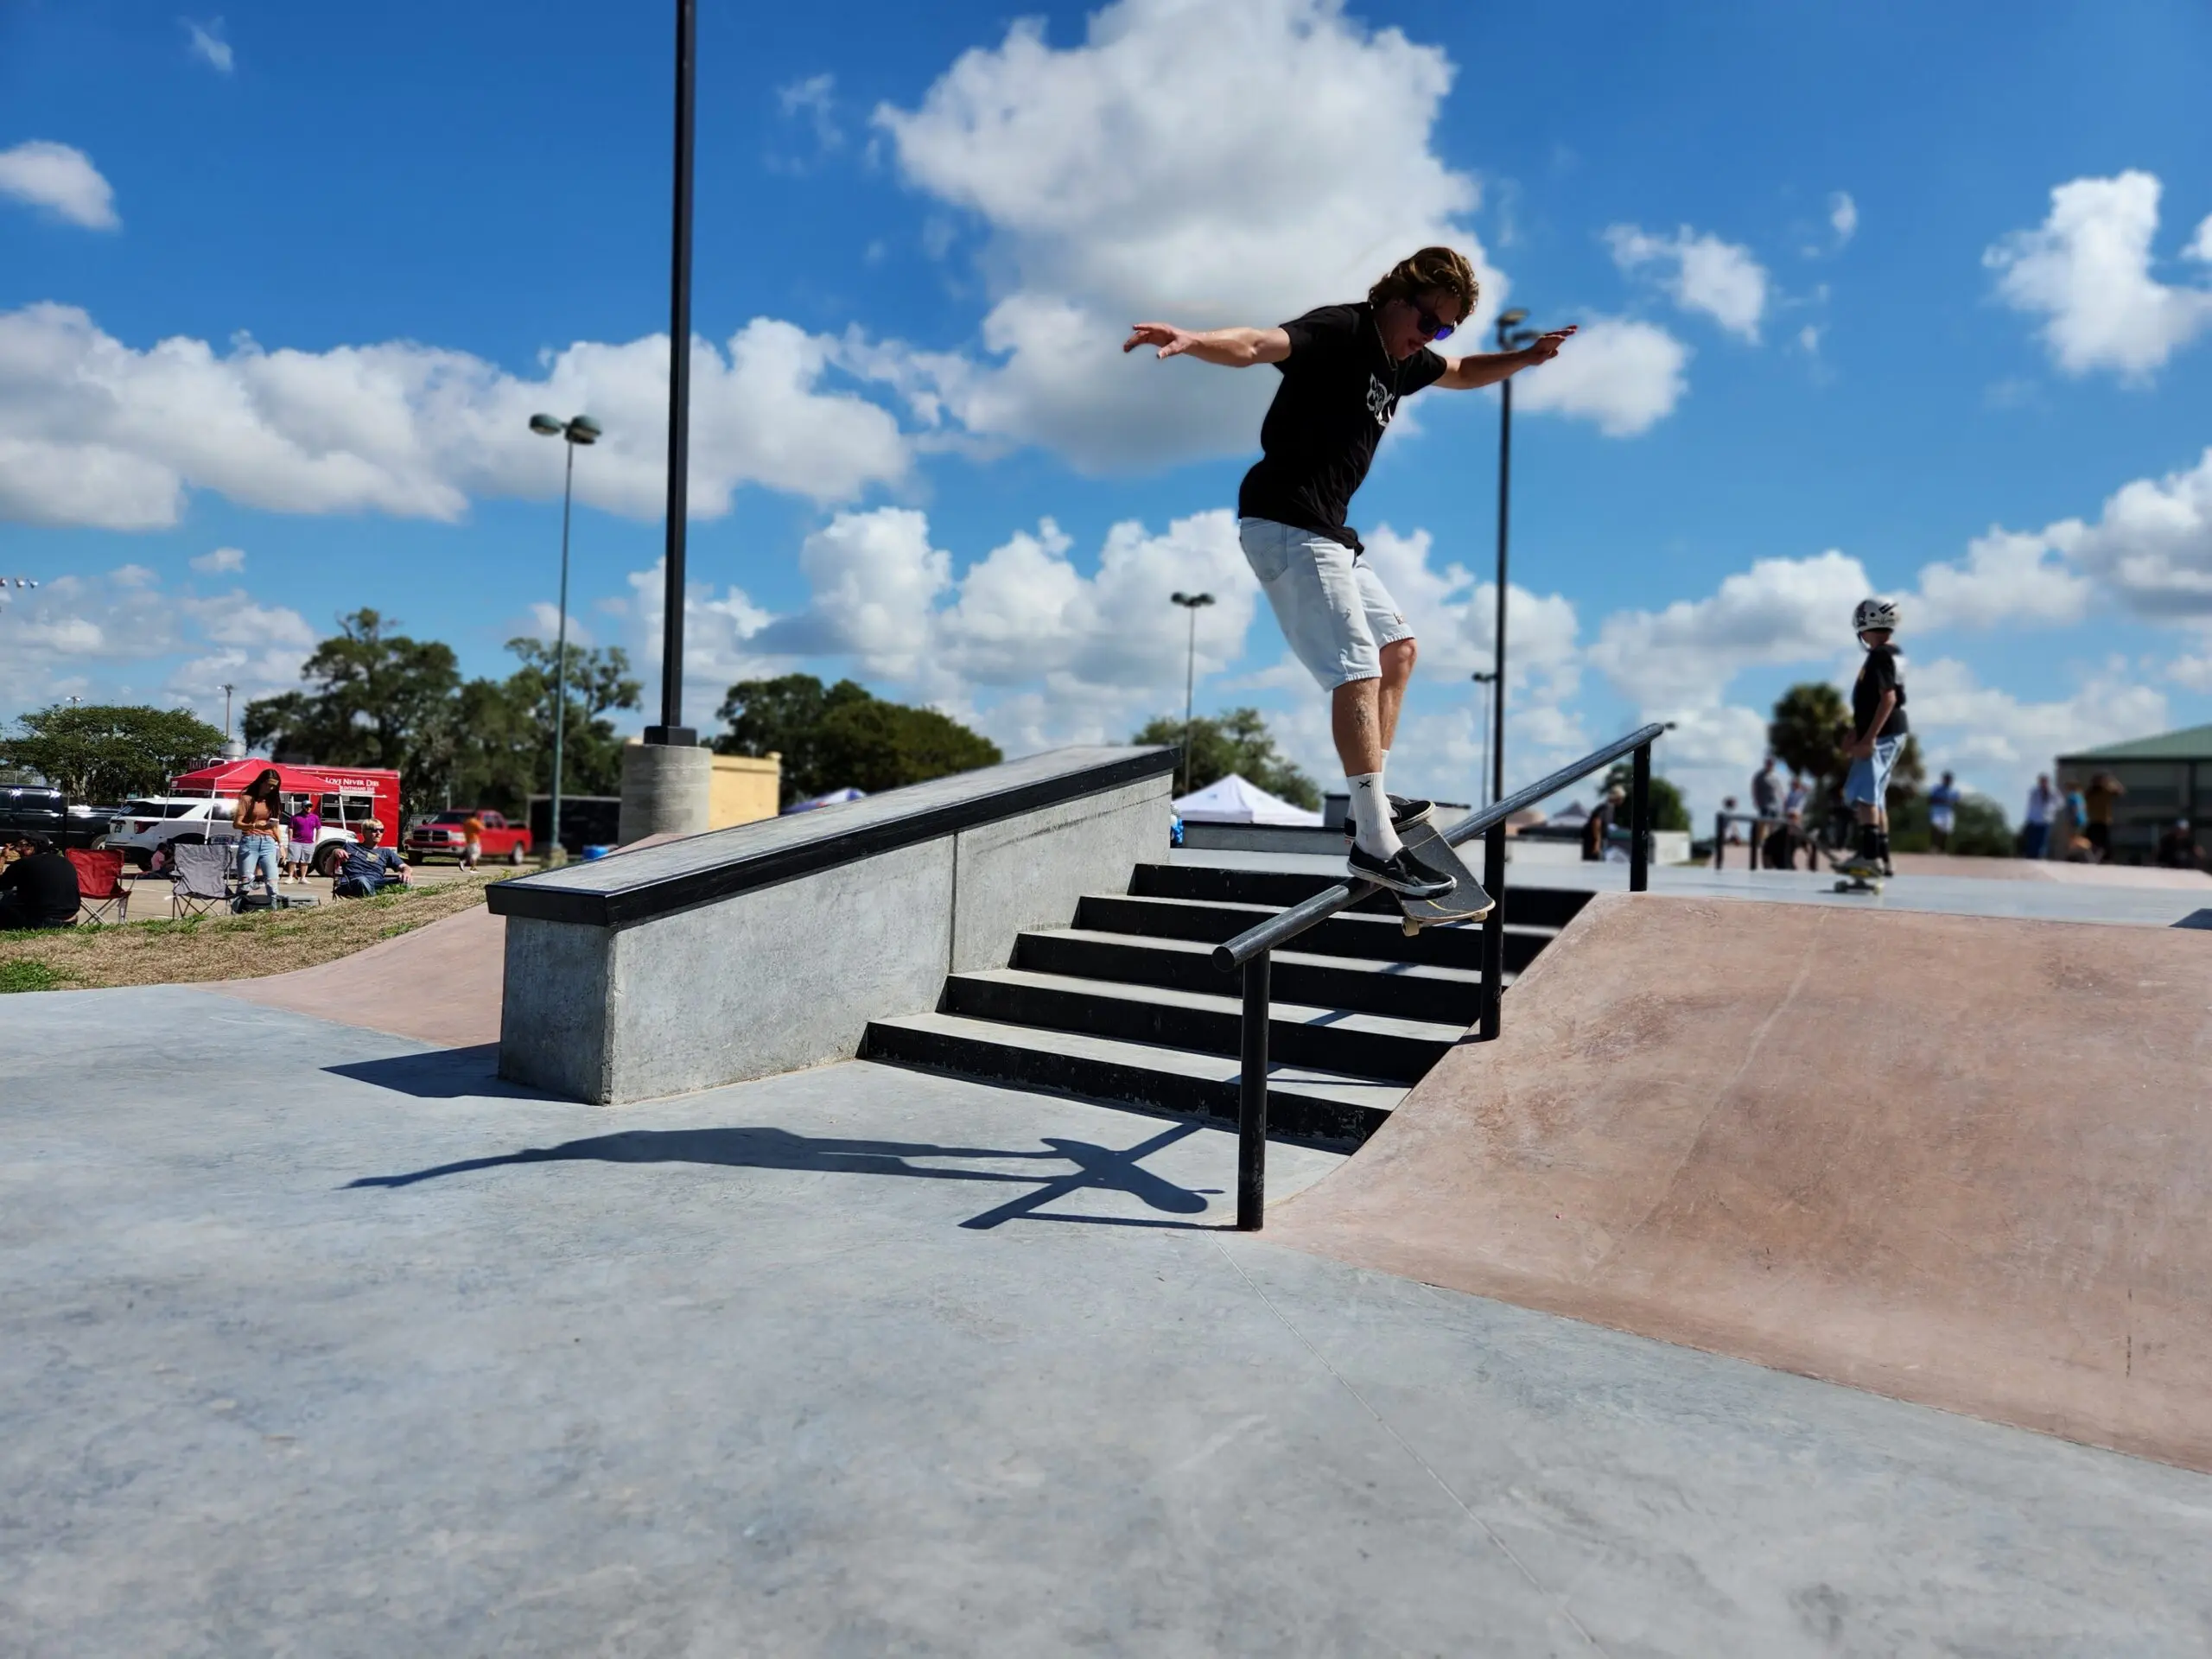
{"points": [[1466, 373], [1232, 348]]}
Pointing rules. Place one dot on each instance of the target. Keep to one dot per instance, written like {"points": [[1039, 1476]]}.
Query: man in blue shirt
{"points": [[367, 868], [1942, 813]]}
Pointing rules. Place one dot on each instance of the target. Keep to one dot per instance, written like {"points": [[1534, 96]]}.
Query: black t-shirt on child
{"points": [[1879, 675], [1339, 389]]}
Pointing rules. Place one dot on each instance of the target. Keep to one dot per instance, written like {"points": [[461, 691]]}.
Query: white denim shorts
{"points": [[1335, 612]]}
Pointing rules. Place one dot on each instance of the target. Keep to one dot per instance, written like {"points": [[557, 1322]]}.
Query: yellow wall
{"points": [[745, 789]]}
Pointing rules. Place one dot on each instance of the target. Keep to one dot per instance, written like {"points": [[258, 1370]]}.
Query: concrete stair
{"points": [[1126, 1005]]}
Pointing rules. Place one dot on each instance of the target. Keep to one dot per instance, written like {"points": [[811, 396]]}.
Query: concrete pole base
{"points": [[666, 790]]}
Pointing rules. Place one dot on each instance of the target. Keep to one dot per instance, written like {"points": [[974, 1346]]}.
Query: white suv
{"points": [[154, 820]]}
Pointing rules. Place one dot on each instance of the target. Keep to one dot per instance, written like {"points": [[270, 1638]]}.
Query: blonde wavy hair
{"points": [[1443, 269]]}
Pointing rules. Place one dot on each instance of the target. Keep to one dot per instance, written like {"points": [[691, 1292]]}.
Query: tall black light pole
{"points": [[1510, 337], [581, 431], [1194, 603], [1485, 678], [671, 729]]}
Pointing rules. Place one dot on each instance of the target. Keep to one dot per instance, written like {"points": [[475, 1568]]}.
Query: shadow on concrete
{"points": [[1095, 1168], [442, 1074]]}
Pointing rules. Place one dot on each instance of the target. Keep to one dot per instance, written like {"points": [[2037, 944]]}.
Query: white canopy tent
{"points": [[1233, 800]]}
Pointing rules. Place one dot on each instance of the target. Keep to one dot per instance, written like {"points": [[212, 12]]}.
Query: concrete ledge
{"points": [[760, 949]]}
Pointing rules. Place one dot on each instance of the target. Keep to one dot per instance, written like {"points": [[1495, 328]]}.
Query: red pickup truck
{"points": [[439, 835]]}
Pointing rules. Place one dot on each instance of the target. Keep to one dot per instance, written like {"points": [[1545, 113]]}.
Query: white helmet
{"points": [[1875, 614]]}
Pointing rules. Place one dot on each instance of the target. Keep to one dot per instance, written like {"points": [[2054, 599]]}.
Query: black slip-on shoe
{"points": [[1401, 873], [1402, 812]]}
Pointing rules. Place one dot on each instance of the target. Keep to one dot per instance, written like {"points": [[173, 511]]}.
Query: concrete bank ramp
{"points": [[437, 984], [1961, 1161]]}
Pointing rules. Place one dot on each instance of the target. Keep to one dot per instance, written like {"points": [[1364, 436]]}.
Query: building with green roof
{"points": [[2165, 778]]}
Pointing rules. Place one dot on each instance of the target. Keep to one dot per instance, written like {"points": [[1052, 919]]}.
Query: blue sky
{"points": [[1874, 297]]}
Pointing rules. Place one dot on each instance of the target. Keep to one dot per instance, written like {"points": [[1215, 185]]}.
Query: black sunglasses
{"points": [[1431, 328]]}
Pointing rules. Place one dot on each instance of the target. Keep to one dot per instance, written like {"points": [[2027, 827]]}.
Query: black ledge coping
{"points": [[636, 886]]}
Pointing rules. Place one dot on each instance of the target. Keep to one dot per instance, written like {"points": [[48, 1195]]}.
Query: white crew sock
{"points": [[1370, 815]]}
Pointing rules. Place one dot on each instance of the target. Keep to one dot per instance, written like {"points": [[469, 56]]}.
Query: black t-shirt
{"points": [[1339, 389], [45, 886], [1879, 675]]}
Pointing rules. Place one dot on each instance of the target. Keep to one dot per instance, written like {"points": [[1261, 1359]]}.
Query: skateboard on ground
{"points": [[1465, 903], [1860, 878]]}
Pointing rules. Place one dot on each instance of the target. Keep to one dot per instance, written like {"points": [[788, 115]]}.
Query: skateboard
{"points": [[1465, 903], [1860, 878]]}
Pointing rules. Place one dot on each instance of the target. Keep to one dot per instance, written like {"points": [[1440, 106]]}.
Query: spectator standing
{"points": [[368, 869], [472, 841], [38, 887], [259, 817], [299, 851], [1942, 813], [2178, 849], [2104, 789], [2035, 826], [1766, 791]]}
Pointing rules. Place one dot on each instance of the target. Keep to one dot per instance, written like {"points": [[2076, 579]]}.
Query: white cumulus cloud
{"points": [[1140, 175], [1843, 217], [2006, 576], [1682, 657], [60, 179], [95, 432], [2086, 271], [1699, 272], [1625, 375], [208, 45], [219, 560]]}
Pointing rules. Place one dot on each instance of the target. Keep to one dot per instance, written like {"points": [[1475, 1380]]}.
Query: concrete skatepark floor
{"points": [[322, 1342]]}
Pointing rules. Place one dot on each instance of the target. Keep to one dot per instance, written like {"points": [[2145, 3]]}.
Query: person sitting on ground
{"points": [[38, 889], [1599, 824], [2104, 789], [367, 868], [1878, 731], [2177, 849], [1779, 851], [1942, 813]]}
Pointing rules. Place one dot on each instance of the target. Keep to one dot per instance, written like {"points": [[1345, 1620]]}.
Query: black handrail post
{"points": [[1639, 821], [1719, 841], [1493, 1004], [1252, 1099]]}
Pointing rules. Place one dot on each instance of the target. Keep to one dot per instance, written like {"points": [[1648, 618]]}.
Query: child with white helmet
{"points": [[1878, 725]]}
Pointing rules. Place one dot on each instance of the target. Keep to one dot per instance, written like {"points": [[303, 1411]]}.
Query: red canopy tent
{"points": [[343, 796]]}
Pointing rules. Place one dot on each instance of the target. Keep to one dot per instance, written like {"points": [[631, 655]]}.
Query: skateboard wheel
{"points": [[1412, 927]]}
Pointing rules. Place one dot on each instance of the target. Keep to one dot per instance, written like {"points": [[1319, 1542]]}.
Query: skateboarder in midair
{"points": [[1344, 368], [1877, 727]]}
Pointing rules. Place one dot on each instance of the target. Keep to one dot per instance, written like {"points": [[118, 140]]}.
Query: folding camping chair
{"points": [[99, 883], [202, 878]]}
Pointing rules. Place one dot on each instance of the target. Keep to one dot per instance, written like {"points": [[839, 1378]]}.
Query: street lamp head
{"points": [[1192, 602], [545, 426], [1513, 318], [583, 430]]}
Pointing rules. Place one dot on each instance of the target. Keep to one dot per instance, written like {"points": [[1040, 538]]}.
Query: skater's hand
{"points": [[1546, 346], [1860, 749], [1173, 341]]}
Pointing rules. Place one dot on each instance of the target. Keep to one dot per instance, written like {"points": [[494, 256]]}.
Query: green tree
{"points": [[844, 736], [374, 698], [1981, 831], [1669, 810], [104, 752], [1807, 732], [1238, 741]]}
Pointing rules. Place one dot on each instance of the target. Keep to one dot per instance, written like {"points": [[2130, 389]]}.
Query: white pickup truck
{"points": [[150, 823]]}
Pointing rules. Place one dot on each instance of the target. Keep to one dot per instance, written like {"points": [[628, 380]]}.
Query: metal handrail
{"points": [[1279, 929], [1253, 950]]}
